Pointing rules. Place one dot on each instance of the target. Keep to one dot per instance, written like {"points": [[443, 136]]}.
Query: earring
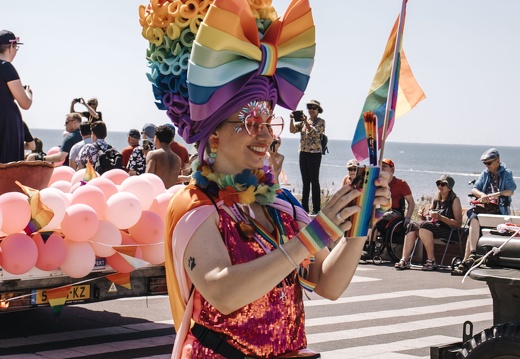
{"points": [[213, 150]]}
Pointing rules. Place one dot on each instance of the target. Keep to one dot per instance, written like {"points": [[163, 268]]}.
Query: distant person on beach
{"points": [[36, 154], [275, 158], [137, 162], [86, 134], [493, 189], [163, 161], [11, 90], [91, 114], [352, 166], [403, 203], [90, 152], [133, 138], [28, 139], [444, 213], [180, 151], [72, 123], [311, 128]]}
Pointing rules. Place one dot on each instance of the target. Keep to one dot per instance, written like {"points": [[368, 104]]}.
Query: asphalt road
{"points": [[383, 314]]}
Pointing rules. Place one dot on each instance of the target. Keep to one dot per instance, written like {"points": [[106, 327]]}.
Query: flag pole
{"points": [[392, 79]]}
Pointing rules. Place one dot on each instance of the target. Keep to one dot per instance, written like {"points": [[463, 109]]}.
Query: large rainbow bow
{"points": [[229, 51]]}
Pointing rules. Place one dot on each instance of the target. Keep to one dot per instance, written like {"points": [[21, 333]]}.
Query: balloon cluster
{"points": [[111, 214]]}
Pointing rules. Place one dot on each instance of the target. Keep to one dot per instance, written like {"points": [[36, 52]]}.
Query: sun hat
{"points": [[134, 133], [315, 103], [389, 162], [8, 38], [240, 54], [352, 163], [448, 180], [149, 130], [490, 154]]}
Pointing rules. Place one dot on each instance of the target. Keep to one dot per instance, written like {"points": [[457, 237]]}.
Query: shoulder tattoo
{"points": [[191, 263]]}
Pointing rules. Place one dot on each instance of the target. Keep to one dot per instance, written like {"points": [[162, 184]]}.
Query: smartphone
{"points": [[364, 179], [298, 115]]}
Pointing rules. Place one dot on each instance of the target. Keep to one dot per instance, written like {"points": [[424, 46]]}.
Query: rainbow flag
{"points": [[403, 96], [41, 215], [90, 173], [57, 298]]}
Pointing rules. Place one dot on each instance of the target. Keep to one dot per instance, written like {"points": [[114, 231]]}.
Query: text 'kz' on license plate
{"points": [[77, 294]]}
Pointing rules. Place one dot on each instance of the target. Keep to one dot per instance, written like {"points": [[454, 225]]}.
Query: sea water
{"points": [[418, 163]]}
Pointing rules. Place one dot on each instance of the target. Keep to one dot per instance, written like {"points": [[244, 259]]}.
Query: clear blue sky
{"points": [[464, 54]]}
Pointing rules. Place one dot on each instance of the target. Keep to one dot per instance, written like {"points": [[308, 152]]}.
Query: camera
{"points": [[297, 115], [146, 145], [77, 100]]}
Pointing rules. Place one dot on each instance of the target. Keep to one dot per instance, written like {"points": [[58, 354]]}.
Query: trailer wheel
{"points": [[501, 341]]}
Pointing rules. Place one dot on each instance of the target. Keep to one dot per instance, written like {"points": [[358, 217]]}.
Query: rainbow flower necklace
{"points": [[247, 187]]}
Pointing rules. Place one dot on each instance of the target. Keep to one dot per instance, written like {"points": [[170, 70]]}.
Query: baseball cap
{"points": [[8, 38], [389, 162], [134, 134], [490, 154], [447, 179], [149, 130], [352, 163]]}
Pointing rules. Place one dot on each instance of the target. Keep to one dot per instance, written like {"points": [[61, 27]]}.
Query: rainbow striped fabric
{"points": [[41, 215], [406, 93], [229, 50]]}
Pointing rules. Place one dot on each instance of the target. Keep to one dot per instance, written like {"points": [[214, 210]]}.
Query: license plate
{"points": [[78, 293]]}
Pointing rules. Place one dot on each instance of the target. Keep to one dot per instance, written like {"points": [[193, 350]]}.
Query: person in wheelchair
{"points": [[493, 191], [444, 213], [403, 206]]}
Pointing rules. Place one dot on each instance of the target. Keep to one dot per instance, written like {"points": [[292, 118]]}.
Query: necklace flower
{"points": [[245, 188]]}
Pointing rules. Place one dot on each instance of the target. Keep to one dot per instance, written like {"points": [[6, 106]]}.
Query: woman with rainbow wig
{"points": [[237, 256]]}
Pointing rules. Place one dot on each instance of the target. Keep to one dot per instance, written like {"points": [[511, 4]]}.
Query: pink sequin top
{"points": [[268, 327]]}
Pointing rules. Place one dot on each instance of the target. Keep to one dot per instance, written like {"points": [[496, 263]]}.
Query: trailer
{"points": [[501, 272]]}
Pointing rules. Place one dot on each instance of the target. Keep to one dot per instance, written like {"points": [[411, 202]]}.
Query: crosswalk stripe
{"points": [[398, 313], [427, 293], [325, 337], [389, 349]]}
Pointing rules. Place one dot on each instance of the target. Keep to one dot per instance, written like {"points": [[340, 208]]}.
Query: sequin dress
{"points": [[268, 327]]}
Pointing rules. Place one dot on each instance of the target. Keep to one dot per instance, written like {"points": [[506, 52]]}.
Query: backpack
{"points": [[108, 160], [324, 140]]}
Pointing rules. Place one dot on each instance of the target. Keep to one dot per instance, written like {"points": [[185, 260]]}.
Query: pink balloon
{"points": [[62, 173], [51, 253], [107, 186], [63, 186], [79, 223], [74, 187], [78, 176], [56, 201], [128, 240], [123, 210], [16, 212], [53, 150], [19, 253], [91, 196], [80, 259], [175, 188], [160, 204], [149, 229], [105, 238], [139, 187], [156, 182], [154, 253], [117, 176]]}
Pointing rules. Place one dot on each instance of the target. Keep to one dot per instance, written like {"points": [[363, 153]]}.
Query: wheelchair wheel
{"points": [[395, 238]]}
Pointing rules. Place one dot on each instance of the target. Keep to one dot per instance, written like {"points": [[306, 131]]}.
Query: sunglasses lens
{"points": [[276, 126]]}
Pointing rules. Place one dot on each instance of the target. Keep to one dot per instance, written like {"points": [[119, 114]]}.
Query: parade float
{"points": [[71, 237]]}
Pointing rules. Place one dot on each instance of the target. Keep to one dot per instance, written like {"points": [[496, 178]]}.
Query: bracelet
{"points": [[284, 251], [319, 233]]}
